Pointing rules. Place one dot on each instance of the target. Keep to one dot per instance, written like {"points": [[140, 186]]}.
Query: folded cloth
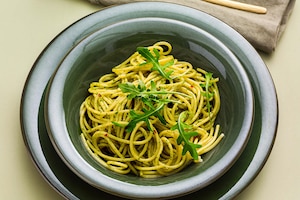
{"points": [[261, 30]]}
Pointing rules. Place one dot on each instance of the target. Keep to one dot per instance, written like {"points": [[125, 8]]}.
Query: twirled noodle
{"points": [[143, 152]]}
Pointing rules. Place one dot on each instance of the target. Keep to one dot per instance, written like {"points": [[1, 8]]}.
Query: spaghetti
{"points": [[151, 147]]}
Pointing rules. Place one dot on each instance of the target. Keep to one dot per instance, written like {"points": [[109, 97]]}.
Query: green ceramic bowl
{"points": [[108, 46]]}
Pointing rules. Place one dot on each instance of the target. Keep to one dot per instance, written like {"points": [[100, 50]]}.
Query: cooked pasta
{"points": [[150, 148]]}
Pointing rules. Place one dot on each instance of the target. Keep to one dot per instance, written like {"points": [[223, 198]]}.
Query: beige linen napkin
{"points": [[261, 30]]}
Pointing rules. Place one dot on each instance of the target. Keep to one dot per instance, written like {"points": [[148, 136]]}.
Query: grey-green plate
{"points": [[68, 184]]}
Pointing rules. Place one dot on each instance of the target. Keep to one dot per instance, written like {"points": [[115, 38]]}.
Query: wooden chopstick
{"points": [[240, 6]]}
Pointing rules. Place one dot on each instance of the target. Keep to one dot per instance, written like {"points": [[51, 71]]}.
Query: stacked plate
{"points": [[123, 24]]}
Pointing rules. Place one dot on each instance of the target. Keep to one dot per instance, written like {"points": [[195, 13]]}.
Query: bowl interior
{"points": [[99, 52]]}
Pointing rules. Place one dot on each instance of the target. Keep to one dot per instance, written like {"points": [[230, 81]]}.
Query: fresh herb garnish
{"points": [[184, 137], [136, 117], [206, 93], [117, 124], [147, 95], [150, 97], [155, 61]]}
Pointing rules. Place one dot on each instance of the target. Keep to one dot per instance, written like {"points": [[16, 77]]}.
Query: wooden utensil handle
{"points": [[240, 6]]}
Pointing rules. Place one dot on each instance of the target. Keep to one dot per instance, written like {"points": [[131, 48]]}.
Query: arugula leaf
{"points": [[147, 95], [144, 51], [134, 91], [116, 124], [207, 94], [184, 137], [135, 117]]}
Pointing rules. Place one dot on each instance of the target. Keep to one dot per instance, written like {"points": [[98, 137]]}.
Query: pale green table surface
{"points": [[28, 26]]}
